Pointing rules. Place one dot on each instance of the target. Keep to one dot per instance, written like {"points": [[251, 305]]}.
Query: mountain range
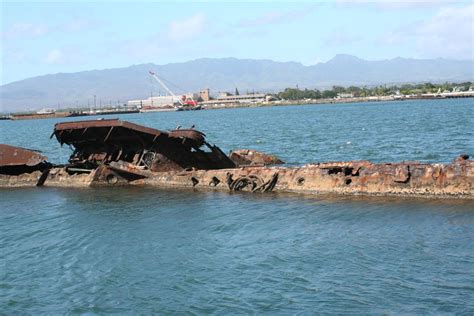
{"points": [[119, 85]]}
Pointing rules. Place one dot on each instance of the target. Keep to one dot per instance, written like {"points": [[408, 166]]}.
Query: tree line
{"points": [[382, 90]]}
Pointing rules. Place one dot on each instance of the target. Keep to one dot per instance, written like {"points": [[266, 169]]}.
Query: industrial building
{"points": [[241, 98], [203, 97], [158, 101], [166, 100]]}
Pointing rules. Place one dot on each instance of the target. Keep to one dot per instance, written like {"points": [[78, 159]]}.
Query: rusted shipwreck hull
{"points": [[455, 180], [114, 152]]}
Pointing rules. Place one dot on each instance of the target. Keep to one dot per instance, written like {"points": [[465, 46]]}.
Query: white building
{"points": [[159, 101], [345, 95], [242, 98]]}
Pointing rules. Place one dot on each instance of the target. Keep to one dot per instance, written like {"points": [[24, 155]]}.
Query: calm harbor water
{"points": [[143, 250]]}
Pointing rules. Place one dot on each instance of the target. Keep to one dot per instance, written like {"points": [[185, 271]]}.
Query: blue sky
{"points": [[49, 37]]}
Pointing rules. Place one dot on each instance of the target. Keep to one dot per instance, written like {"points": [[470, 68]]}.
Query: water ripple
{"points": [[148, 251]]}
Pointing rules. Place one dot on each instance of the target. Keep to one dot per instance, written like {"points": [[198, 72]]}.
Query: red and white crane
{"points": [[183, 101]]}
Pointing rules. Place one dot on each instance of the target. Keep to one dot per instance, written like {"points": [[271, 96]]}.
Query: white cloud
{"points": [[276, 17], [75, 25], [17, 56], [267, 18], [54, 56], [183, 29], [22, 30], [449, 34], [342, 37], [397, 4], [178, 36], [28, 30], [314, 61]]}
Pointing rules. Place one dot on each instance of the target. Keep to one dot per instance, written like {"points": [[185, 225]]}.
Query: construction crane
{"points": [[183, 101], [167, 89]]}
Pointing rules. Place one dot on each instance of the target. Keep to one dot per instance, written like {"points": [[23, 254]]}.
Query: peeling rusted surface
{"points": [[195, 138], [455, 180], [248, 157], [17, 156], [15, 161], [355, 177]]}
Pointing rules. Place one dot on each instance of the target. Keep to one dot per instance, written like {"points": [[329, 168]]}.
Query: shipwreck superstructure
{"points": [[115, 152], [102, 142]]}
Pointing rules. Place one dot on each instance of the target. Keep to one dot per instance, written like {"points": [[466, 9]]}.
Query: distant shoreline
{"points": [[324, 101], [217, 106]]}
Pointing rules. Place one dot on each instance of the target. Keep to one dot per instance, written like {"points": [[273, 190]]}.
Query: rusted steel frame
{"points": [[79, 170], [108, 134], [217, 151], [140, 158], [60, 137], [140, 139], [44, 176], [143, 147], [119, 154]]}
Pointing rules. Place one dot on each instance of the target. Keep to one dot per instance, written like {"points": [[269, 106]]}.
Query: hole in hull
{"points": [[214, 181], [111, 179]]}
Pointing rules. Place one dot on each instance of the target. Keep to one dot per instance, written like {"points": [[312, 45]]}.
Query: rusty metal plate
{"points": [[91, 124], [189, 134], [16, 156], [79, 125]]}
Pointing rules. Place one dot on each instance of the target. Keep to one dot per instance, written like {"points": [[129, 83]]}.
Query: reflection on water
{"points": [[169, 251]]}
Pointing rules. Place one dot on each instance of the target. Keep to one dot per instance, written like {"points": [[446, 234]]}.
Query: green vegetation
{"points": [[406, 89]]}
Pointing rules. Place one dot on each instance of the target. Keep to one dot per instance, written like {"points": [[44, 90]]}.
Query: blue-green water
{"points": [[143, 250]]}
